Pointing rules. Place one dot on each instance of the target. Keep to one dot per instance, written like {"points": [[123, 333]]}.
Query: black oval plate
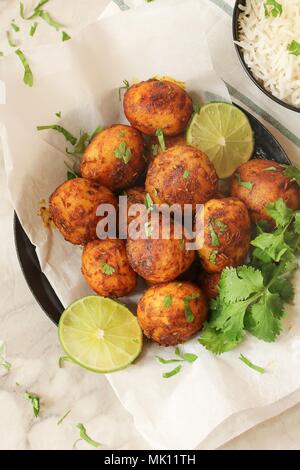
{"points": [[266, 146]]}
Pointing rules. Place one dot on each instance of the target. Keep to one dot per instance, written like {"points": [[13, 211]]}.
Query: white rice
{"points": [[265, 42]]}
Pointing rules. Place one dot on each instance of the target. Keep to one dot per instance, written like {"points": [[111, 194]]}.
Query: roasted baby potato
{"points": [[154, 148], [162, 259], [171, 313], [115, 157], [260, 182], [227, 234], [209, 283], [181, 175], [73, 208], [158, 104], [106, 269]]}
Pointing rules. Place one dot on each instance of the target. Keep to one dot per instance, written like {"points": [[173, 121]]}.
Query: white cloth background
{"points": [[31, 339]]}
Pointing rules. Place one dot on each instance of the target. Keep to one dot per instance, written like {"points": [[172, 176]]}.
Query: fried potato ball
{"points": [[73, 207], [115, 157], [158, 104], [209, 283], [227, 234], [162, 259], [171, 313], [154, 148], [266, 184], [106, 269], [181, 175]]}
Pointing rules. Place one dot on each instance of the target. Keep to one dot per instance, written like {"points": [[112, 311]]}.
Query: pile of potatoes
{"points": [[175, 305]]}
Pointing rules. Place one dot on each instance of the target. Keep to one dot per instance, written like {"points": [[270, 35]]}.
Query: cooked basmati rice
{"points": [[265, 43]]}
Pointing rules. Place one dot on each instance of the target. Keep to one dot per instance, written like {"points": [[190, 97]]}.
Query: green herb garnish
{"points": [[10, 39], [187, 357], [68, 136], [14, 26], [148, 203], [80, 145], [252, 297], [154, 149], [173, 372], [85, 437], [58, 114], [186, 174], [125, 86], [213, 256], [63, 417], [196, 108], [244, 184], [123, 152], [107, 269], [187, 308], [28, 77], [221, 226], [148, 229], [96, 131], [62, 360], [250, 364], [48, 18], [161, 140], [155, 192], [168, 299], [213, 235], [33, 28], [121, 133], [167, 361], [272, 8], [65, 36], [3, 362], [293, 173], [294, 48], [35, 401], [271, 168]]}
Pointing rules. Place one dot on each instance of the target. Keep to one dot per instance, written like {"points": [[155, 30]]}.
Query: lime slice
{"points": [[100, 334], [224, 133]]}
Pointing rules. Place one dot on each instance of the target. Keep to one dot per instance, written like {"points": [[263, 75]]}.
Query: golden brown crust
{"points": [[209, 283], [230, 221], [168, 325], [159, 260], [268, 187], [158, 104], [181, 175], [99, 161], [99, 256], [73, 208]]}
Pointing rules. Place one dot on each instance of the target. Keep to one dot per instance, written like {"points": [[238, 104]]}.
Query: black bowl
{"points": [[240, 53]]}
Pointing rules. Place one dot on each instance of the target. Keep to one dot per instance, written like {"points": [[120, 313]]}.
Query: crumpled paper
{"points": [[211, 400]]}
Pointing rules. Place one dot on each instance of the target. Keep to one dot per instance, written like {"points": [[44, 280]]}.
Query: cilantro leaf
{"points": [[48, 18], [154, 149], [239, 283], [65, 36], [250, 364], [168, 299], [167, 361], [213, 256], [160, 136], [186, 174], [68, 136], [280, 212], [10, 39], [215, 341], [35, 402], [83, 434], [294, 48], [122, 152], [188, 357], [148, 203], [284, 288], [293, 173], [261, 321], [272, 244], [15, 27], [173, 372], [244, 184], [3, 362], [33, 28], [62, 360], [63, 417], [187, 308], [123, 87], [107, 269], [221, 226], [28, 77], [297, 222], [80, 145], [214, 237], [96, 131], [272, 7]]}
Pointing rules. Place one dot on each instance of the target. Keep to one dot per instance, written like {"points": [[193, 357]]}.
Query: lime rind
{"points": [[83, 319], [223, 132]]}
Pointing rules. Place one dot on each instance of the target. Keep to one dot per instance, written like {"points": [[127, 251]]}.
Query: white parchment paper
{"points": [[80, 78]]}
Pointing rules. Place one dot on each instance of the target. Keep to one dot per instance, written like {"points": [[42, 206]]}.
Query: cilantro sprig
{"points": [[181, 357], [161, 140], [272, 8], [294, 48], [253, 297], [84, 436], [35, 402]]}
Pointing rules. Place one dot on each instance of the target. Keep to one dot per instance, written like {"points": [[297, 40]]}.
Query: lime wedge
{"points": [[100, 334], [223, 132]]}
